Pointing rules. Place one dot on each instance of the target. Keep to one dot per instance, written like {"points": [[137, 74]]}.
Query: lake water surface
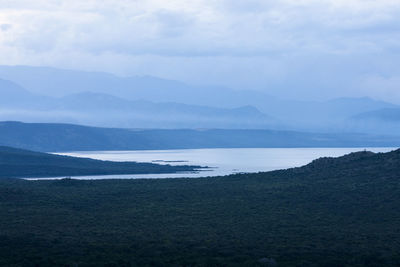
{"points": [[223, 161]]}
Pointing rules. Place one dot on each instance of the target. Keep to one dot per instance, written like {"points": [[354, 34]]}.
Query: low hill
{"points": [[386, 114], [107, 110], [13, 96], [24, 163], [69, 137], [333, 212], [385, 120]]}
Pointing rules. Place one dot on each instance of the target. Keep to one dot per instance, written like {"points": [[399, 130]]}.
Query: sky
{"points": [[301, 49]]}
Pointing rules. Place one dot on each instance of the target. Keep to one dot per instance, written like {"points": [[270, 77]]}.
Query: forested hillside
{"points": [[332, 212], [17, 163]]}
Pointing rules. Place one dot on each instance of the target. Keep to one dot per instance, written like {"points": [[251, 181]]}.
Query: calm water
{"points": [[223, 161]]}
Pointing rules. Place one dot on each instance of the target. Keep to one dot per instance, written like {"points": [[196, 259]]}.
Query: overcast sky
{"points": [[293, 48]]}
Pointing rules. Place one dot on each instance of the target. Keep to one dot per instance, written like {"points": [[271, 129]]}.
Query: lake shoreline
{"points": [[219, 162]]}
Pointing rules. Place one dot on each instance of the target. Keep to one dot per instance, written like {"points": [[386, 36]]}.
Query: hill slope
{"points": [[332, 212], [385, 120], [107, 110], [69, 137], [385, 115], [24, 163]]}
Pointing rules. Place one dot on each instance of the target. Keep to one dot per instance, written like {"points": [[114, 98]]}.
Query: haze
{"points": [[237, 93], [322, 66], [293, 49]]}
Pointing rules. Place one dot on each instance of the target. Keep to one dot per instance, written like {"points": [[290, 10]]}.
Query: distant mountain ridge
{"points": [[385, 114], [379, 121], [68, 137], [99, 109], [174, 104], [61, 82], [14, 96]]}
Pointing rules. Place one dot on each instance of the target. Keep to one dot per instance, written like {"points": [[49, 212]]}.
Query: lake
{"points": [[222, 161]]}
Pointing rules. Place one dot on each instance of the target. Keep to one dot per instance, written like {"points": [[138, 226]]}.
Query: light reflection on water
{"points": [[224, 161]]}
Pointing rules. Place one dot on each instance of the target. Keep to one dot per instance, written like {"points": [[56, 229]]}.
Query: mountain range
{"points": [[101, 109], [42, 94]]}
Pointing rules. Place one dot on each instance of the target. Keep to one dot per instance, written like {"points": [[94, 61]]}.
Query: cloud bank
{"points": [[291, 48]]}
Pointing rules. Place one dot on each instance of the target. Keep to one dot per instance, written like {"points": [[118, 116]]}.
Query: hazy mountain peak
{"points": [[10, 87], [155, 102], [385, 114]]}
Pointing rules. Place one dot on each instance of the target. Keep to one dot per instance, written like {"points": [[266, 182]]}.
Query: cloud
{"points": [[5, 27], [233, 27], [260, 44]]}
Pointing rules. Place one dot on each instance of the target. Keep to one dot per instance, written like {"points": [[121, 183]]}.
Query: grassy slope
{"points": [[333, 212], [24, 163]]}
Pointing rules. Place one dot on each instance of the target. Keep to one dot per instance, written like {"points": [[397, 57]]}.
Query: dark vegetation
{"points": [[66, 137], [24, 163], [332, 212]]}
